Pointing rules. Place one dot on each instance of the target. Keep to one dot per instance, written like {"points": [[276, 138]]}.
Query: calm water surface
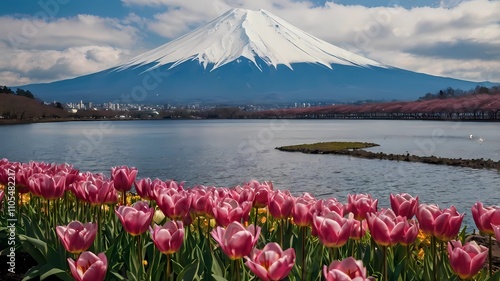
{"points": [[227, 153]]}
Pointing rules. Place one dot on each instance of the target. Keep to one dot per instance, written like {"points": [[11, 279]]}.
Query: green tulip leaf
{"points": [[189, 272], [61, 274], [176, 267], [117, 275], [218, 278], [35, 248], [216, 268]]}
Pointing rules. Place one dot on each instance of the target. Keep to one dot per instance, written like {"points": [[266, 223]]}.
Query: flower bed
{"points": [[84, 226]]}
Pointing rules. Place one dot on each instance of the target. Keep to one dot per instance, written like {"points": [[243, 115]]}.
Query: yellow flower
{"points": [[263, 220], [24, 198], [424, 238], [421, 254], [144, 262], [262, 211]]}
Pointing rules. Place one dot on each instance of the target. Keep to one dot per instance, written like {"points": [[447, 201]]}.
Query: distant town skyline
{"points": [[51, 40]]}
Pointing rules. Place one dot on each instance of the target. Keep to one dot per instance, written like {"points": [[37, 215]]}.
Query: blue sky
{"points": [[50, 40]]}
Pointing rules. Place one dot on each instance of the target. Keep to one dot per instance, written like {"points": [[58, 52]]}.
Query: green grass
{"points": [[327, 146]]}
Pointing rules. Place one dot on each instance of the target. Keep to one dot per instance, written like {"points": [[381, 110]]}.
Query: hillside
{"points": [[14, 107]]}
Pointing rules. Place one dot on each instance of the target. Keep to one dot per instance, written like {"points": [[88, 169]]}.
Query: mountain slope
{"points": [[246, 57], [248, 34]]}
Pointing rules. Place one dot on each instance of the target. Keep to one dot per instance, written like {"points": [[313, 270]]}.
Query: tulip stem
{"points": [[167, 273], [303, 230], [47, 222], [384, 263], [281, 232], [54, 207], [139, 249], [352, 245], [256, 219], [98, 240], [208, 233], [360, 230], [490, 258], [434, 258], [237, 269], [334, 253], [407, 261]]}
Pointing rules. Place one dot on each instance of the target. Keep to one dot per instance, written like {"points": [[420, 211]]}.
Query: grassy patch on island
{"points": [[326, 147]]}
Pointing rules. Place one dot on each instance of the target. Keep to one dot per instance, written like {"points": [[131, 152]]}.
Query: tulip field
{"points": [[83, 226]]}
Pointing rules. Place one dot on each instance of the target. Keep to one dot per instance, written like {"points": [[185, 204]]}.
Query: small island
{"points": [[326, 147], [354, 149]]}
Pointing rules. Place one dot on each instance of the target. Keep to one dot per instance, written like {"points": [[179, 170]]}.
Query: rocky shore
{"points": [[360, 153]]}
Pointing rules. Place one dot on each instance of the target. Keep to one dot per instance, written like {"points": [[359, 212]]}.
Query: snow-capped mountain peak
{"points": [[249, 34]]}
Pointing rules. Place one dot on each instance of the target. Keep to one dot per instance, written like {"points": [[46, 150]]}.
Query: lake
{"points": [[231, 152]]}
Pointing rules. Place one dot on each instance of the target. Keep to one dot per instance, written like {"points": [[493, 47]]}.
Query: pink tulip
{"points": [[174, 204], [123, 177], [280, 204], [484, 217], [77, 237], [361, 205], [202, 202], [262, 194], [135, 219], [345, 270], [5, 174], [228, 210], [70, 174], [442, 224], [271, 263], [383, 228], [48, 187], [97, 192], [243, 194], [23, 173], [409, 232], [236, 241], [89, 267], [302, 211], [332, 230], [496, 230], [145, 188], [466, 260], [329, 205], [168, 238], [404, 205]]}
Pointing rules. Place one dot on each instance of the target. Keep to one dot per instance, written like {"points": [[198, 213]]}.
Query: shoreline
{"points": [[6, 122], [360, 153]]}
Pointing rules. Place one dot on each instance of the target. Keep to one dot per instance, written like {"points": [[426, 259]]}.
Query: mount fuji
{"points": [[246, 57]]}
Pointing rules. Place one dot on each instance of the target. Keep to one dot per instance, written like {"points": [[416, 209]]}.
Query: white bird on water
{"points": [[471, 137]]}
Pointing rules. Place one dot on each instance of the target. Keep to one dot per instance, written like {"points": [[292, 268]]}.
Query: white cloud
{"points": [[28, 66], [37, 50], [30, 33], [391, 35], [455, 39]]}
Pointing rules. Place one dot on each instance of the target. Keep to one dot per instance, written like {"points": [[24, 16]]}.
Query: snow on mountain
{"points": [[249, 34], [246, 57]]}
